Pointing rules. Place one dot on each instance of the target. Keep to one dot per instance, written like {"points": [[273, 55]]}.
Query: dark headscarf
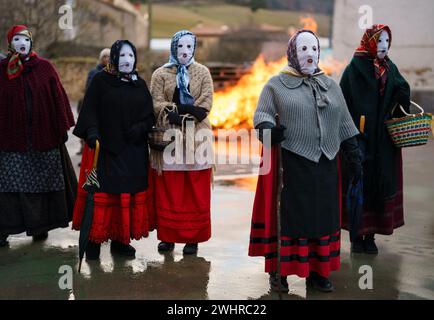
{"points": [[291, 52], [113, 66]]}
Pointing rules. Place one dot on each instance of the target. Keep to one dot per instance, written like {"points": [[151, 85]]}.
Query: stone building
{"points": [[412, 32]]}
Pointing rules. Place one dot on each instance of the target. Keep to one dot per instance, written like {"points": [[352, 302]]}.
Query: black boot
{"points": [[166, 246], [3, 240], [122, 249], [318, 282], [274, 283], [40, 237], [93, 251], [190, 248], [357, 246], [370, 246]]}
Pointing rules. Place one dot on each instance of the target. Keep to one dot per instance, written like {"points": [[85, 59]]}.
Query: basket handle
{"points": [[410, 114]]}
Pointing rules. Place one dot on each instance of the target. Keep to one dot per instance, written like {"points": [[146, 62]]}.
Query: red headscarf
{"points": [[368, 49], [15, 65]]}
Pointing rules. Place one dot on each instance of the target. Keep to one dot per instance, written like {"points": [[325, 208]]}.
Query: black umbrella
{"points": [[91, 186], [355, 193], [355, 207]]}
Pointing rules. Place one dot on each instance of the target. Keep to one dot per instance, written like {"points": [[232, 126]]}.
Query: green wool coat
{"points": [[361, 92]]}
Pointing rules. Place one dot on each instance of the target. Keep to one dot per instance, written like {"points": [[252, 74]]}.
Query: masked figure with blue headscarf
{"points": [[182, 91]]}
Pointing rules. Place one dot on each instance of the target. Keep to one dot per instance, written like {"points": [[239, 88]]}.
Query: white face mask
{"points": [[307, 52], [126, 59], [22, 44], [383, 45], [185, 49]]}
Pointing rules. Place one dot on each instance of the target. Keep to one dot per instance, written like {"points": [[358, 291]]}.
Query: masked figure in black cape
{"points": [[37, 181], [315, 122], [372, 85], [118, 112]]}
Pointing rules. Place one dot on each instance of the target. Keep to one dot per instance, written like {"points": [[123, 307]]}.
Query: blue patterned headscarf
{"points": [[182, 76]]}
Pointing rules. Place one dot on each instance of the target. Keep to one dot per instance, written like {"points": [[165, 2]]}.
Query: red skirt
{"points": [[298, 256], [391, 218], [119, 217], [183, 205]]}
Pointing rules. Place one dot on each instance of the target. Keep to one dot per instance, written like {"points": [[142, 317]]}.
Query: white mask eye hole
{"points": [[314, 48], [304, 48], [122, 54], [189, 46], [27, 39], [16, 39], [131, 55], [179, 45]]}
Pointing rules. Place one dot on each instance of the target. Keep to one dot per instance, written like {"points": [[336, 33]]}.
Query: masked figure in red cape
{"points": [[117, 111], [372, 86], [182, 91], [37, 181], [315, 125]]}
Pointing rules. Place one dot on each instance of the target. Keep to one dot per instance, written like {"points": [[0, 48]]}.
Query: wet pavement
{"points": [[404, 268]]}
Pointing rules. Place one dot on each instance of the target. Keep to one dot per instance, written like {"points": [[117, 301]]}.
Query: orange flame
{"points": [[309, 23], [234, 106]]}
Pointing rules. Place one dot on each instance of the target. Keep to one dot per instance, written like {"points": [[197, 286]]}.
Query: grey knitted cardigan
{"points": [[312, 109]]}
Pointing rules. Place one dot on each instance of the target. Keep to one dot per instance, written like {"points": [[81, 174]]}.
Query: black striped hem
{"points": [[304, 259], [295, 242]]}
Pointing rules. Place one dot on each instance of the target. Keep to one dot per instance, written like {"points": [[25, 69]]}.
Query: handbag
{"points": [[411, 130]]}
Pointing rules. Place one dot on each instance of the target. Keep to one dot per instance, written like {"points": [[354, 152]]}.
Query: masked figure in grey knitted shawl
{"points": [[315, 126]]}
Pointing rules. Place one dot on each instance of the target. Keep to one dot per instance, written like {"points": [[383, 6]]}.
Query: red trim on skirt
{"points": [[298, 256], [393, 216], [119, 217], [183, 205]]}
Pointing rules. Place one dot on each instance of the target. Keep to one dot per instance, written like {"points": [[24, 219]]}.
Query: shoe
{"points": [[93, 250], [40, 237], [122, 249], [166, 246], [3, 241], [320, 283], [190, 248], [370, 246], [357, 246], [274, 283]]}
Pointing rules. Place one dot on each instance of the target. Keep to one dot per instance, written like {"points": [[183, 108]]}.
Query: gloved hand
{"points": [[174, 118], [402, 98], [198, 112], [353, 156], [277, 132], [92, 136]]}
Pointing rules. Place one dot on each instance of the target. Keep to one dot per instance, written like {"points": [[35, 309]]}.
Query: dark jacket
{"points": [[361, 92], [111, 107]]}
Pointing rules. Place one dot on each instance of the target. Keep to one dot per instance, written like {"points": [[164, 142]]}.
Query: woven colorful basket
{"points": [[411, 130]]}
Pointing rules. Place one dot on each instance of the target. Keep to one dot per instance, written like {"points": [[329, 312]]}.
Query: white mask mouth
{"points": [[307, 52], [185, 49], [126, 59], [22, 44]]}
